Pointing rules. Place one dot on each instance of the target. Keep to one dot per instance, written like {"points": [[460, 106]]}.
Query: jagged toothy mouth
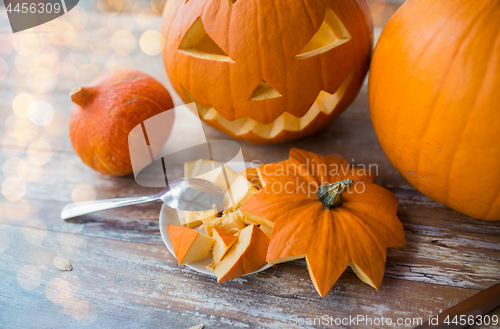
{"points": [[324, 103]]}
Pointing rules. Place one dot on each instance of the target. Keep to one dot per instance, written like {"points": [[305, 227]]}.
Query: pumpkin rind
{"points": [[434, 99], [358, 231], [106, 111], [260, 49]]}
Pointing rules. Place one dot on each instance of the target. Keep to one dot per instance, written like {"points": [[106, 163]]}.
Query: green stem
{"points": [[331, 195]]}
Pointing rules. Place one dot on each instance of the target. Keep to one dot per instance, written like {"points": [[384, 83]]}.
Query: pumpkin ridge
{"points": [[308, 178], [467, 123], [373, 190], [339, 262], [296, 157], [287, 246], [444, 79], [355, 258], [311, 21], [149, 100], [402, 34], [421, 54], [95, 151], [380, 226], [401, 38], [92, 147]]}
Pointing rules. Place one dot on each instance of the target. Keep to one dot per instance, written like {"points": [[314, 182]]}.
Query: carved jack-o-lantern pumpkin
{"points": [[267, 71]]}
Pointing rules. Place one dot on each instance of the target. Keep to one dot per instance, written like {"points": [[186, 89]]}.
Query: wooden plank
{"points": [[444, 247], [142, 285]]}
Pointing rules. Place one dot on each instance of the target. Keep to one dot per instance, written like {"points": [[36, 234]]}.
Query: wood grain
{"points": [[133, 282]]}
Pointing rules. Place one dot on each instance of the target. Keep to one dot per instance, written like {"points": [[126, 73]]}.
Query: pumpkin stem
{"points": [[82, 95], [331, 195]]}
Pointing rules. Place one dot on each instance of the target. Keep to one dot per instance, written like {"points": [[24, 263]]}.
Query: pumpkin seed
{"points": [[199, 326], [62, 264]]}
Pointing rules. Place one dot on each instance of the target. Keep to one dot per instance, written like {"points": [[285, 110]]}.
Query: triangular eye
{"points": [[264, 91], [198, 43], [332, 33]]}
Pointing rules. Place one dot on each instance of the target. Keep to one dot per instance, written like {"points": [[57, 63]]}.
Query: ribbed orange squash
{"points": [[350, 223], [434, 94], [107, 110], [267, 71]]}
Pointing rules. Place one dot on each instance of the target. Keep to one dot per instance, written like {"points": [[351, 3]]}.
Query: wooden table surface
{"points": [[123, 275]]}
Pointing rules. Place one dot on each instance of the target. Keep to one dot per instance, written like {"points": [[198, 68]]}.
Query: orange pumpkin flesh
{"points": [[245, 256], [434, 99], [106, 111], [358, 231], [266, 75], [189, 245], [237, 189], [223, 241]]}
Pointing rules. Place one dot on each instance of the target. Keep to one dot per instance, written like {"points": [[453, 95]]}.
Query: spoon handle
{"points": [[83, 208]]}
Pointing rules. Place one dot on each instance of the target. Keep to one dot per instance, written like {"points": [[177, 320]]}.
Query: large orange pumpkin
{"points": [[434, 93], [107, 110], [264, 71]]}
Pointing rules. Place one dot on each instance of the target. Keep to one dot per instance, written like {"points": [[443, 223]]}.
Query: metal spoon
{"points": [[191, 194]]}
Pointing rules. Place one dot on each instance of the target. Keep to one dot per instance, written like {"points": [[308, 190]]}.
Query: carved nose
{"points": [[264, 91]]}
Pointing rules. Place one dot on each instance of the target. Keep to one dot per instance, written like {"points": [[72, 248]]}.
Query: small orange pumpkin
{"points": [[106, 111], [331, 214], [434, 94], [263, 74]]}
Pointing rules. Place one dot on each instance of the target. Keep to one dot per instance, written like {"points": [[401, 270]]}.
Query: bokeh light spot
{"points": [[123, 42], [13, 189], [39, 152], [29, 173], [57, 291], [22, 129], [58, 125], [10, 165], [86, 73], [80, 310], [22, 103], [25, 43], [17, 211], [152, 42], [83, 192], [41, 113], [29, 277], [42, 80]]}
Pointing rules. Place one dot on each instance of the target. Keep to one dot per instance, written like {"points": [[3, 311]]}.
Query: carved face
{"points": [[264, 73]]}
